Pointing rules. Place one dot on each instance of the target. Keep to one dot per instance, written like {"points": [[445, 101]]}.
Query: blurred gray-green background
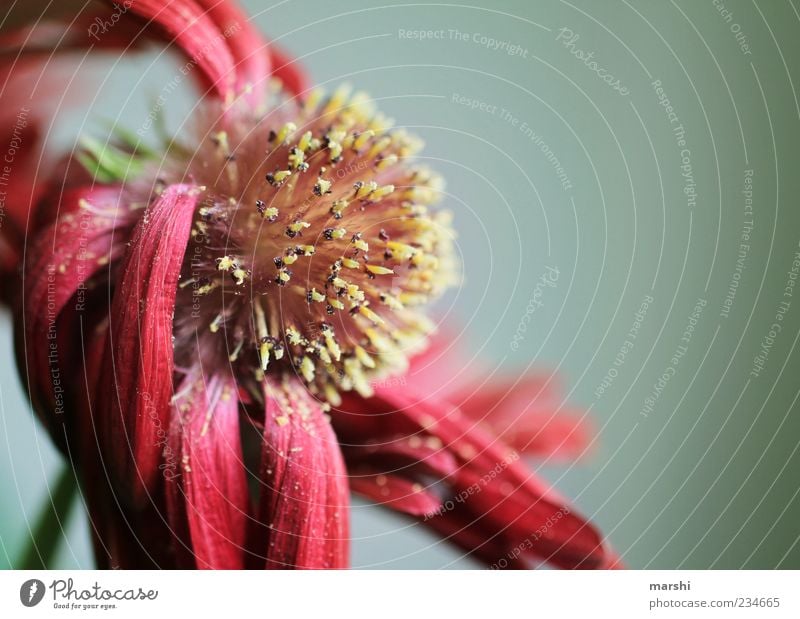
{"points": [[549, 120]]}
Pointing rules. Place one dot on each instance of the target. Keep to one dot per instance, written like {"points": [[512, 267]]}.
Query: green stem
{"points": [[47, 532]]}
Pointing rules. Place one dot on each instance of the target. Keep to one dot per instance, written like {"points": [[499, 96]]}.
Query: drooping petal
{"points": [[246, 44], [10, 252], [254, 58], [125, 538], [39, 66], [396, 493], [47, 35], [39, 77], [528, 414], [457, 524], [198, 37], [205, 473], [20, 190], [391, 472], [419, 453], [496, 501], [136, 385], [60, 262], [303, 507]]}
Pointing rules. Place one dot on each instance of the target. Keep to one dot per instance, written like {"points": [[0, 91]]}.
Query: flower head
{"points": [[208, 326], [313, 246]]}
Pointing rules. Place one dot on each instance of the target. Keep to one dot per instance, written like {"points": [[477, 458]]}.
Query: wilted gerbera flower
{"points": [[222, 312]]}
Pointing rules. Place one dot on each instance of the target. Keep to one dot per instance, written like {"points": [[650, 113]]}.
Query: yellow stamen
{"points": [[362, 139], [226, 263], [365, 311], [379, 270], [304, 142], [307, 369], [285, 132]]}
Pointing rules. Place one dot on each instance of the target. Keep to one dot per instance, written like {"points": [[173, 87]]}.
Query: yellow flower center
{"points": [[315, 245]]}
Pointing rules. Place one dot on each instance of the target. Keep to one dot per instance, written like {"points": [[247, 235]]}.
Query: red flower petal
{"points": [[198, 36], [396, 493], [20, 187], [457, 524], [500, 502], [136, 385], [394, 472], [404, 455], [69, 33], [205, 472], [527, 412], [37, 76], [303, 509], [10, 252], [61, 259], [124, 538], [247, 46], [528, 415]]}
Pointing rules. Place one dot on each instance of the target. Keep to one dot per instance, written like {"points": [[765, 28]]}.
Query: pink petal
{"points": [[10, 252], [303, 509], [444, 366], [69, 33], [124, 538], [458, 525], [396, 472], [21, 190], [37, 76], [205, 472], [500, 502], [396, 493], [136, 385], [198, 37], [247, 46], [527, 414], [62, 258], [403, 455]]}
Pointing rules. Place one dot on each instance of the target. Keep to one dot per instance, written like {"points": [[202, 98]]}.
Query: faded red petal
{"points": [[22, 145], [247, 46], [205, 473], [124, 538], [303, 508], [38, 64], [496, 502], [391, 472], [396, 493], [61, 259], [444, 366], [420, 452], [457, 524], [68, 33], [136, 384], [527, 414], [10, 251], [198, 36], [37, 77]]}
